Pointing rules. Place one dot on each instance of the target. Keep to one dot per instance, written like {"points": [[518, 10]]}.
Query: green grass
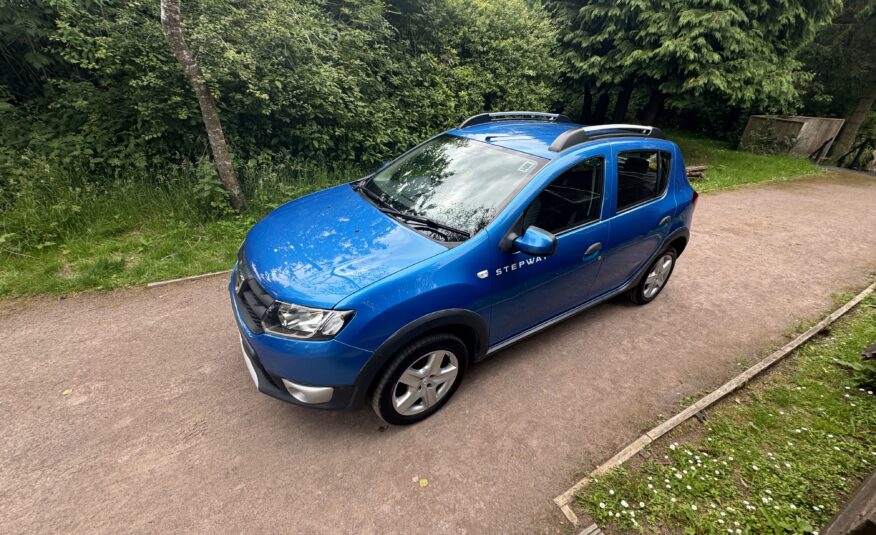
{"points": [[778, 457], [729, 168], [62, 234], [63, 230]]}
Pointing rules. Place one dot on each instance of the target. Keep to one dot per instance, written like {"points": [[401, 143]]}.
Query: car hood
{"points": [[318, 249]]}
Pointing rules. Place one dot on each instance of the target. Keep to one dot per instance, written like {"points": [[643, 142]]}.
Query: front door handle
{"points": [[664, 221], [595, 248]]}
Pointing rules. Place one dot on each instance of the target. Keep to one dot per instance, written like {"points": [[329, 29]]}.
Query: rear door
{"points": [[641, 208]]}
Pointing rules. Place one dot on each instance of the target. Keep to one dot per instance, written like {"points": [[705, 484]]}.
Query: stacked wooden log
{"points": [[696, 172]]}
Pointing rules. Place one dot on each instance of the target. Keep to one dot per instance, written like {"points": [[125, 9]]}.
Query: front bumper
{"points": [[311, 366]]}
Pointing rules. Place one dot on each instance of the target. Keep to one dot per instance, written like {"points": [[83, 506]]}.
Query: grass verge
{"points": [[62, 234], [779, 457], [729, 168]]}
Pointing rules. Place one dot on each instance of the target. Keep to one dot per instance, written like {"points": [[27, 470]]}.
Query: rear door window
{"points": [[641, 176]]}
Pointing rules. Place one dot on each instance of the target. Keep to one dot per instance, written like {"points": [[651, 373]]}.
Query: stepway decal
{"points": [[520, 265]]}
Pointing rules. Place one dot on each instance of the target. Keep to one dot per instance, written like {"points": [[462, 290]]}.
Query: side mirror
{"points": [[536, 242]]}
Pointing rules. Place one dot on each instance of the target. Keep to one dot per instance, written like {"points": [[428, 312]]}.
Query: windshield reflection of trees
{"points": [[422, 184]]}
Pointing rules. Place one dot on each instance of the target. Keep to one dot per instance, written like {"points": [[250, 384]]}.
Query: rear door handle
{"points": [[664, 221], [595, 248]]}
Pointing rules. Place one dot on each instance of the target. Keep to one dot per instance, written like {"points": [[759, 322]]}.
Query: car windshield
{"points": [[454, 181]]}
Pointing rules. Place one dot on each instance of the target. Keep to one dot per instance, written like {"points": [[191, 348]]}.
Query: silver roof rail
{"points": [[577, 136], [482, 118]]}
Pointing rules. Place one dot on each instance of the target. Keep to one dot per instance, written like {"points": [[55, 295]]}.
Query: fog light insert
{"points": [[309, 394]]}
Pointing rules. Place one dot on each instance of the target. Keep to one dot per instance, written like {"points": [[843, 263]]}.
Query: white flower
{"points": [[768, 491], [611, 491], [754, 467], [602, 505], [730, 458], [650, 486], [693, 507], [672, 499], [641, 505], [672, 446], [611, 513], [668, 486], [738, 530], [720, 521], [793, 507], [787, 465], [689, 487], [624, 504]]}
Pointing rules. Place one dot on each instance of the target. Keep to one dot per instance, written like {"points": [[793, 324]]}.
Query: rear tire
{"points": [[420, 379], [655, 279]]}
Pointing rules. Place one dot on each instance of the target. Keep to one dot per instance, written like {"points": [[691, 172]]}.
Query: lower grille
{"points": [[252, 301]]}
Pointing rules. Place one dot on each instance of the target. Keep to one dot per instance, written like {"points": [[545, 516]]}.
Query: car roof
{"points": [[531, 137]]}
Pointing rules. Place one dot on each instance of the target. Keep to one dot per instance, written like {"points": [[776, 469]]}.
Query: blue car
{"points": [[385, 290]]}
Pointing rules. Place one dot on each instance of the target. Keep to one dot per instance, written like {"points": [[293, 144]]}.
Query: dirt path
{"points": [[163, 430]]}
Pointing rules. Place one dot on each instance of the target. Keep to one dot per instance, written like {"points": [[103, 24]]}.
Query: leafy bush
{"points": [[299, 79]]}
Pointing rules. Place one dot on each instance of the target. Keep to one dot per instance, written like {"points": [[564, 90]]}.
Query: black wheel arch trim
{"points": [[413, 330]]}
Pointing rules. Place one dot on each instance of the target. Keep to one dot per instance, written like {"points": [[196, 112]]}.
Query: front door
{"points": [[529, 290]]}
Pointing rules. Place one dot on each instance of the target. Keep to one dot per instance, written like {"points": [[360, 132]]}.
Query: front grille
{"points": [[252, 301]]}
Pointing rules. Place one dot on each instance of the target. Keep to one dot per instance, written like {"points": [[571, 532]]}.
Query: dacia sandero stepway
{"points": [[384, 291]]}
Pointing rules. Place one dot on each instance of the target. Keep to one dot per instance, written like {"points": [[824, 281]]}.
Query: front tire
{"points": [[655, 278], [421, 378]]}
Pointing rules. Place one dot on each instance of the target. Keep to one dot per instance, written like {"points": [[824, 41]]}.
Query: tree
{"points": [[844, 64], [740, 53], [171, 24]]}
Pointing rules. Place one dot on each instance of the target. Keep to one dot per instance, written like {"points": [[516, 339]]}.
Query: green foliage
{"points": [[779, 459], [841, 60], [738, 53], [350, 80]]}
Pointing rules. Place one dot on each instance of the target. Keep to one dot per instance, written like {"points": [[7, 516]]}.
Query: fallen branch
{"points": [[696, 172]]}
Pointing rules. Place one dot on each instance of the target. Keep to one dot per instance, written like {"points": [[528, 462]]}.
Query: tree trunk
{"points": [[850, 130], [587, 105], [601, 109], [654, 109], [171, 24], [623, 102]]}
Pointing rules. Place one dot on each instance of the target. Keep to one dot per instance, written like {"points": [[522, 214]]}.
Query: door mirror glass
{"points": [[536, 242]]}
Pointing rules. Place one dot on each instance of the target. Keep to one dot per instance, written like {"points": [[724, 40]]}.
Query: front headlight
{"points": [[297, 321]]}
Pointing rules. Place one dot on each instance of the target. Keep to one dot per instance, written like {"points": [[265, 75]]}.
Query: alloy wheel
{"points": [[425, 382], [658, 275]]}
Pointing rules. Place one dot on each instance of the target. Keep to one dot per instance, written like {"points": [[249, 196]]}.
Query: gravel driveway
{"points": [[164, 431]]}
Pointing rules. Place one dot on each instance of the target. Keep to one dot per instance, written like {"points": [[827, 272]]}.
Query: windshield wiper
{"points": [[387, 208], [430, 223]]}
